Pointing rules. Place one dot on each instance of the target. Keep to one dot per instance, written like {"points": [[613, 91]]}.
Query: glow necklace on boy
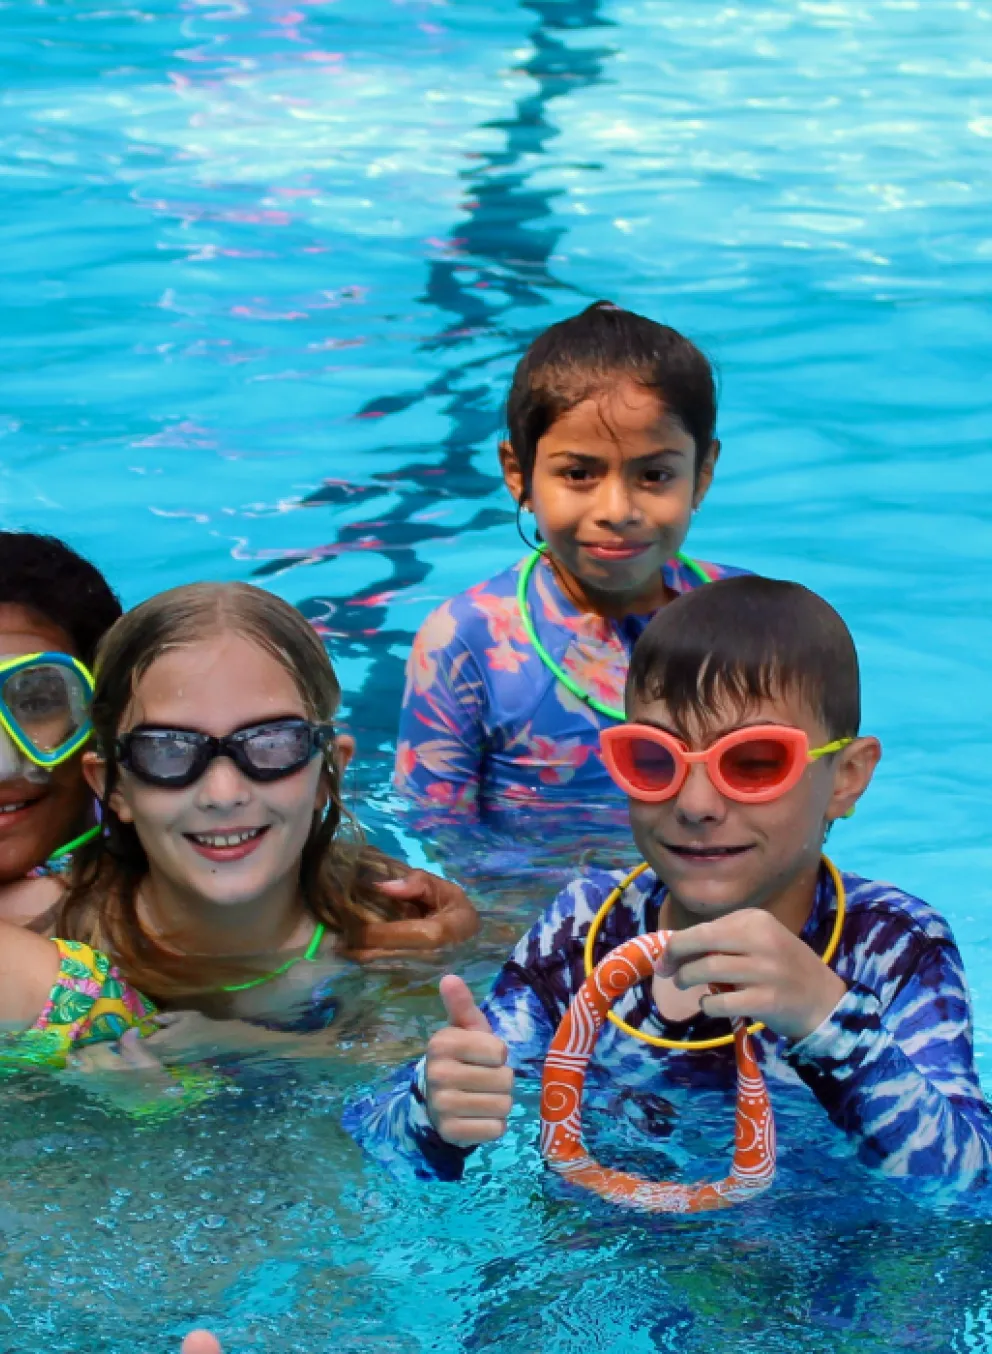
{"points": [[700, 1044], [558, 671]]}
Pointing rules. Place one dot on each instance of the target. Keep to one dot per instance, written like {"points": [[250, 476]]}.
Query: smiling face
{"points": [[39, 810], [717, 855], [613, 488], [225, 841]]}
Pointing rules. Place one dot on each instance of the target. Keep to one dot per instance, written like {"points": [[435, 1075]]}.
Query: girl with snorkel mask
{"points": [[54, 607]]}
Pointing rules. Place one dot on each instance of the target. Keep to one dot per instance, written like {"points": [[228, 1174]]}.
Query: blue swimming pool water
{"points": [[267, 267]]}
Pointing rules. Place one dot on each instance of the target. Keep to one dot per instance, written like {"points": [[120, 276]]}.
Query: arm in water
{"points": [[430, 1115]]}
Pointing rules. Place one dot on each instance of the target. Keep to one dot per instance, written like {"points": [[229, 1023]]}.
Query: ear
{"points": [[513, 476], [704, 476], [853, 770], [344, 750], [95, 775]]}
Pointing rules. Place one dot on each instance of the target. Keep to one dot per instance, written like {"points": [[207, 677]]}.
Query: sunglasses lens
{"points": [[48, 702], [645, 764], [166, 757], [278, 747], [757, 765]]}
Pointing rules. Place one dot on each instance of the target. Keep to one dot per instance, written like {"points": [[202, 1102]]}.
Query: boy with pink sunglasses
{"points": [[741, 749]]}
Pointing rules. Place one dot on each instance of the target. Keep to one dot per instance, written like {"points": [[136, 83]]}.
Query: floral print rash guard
{"points": [[486, 727]]}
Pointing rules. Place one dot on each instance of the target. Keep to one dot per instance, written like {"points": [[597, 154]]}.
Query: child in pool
{"points": [[611, 446], [51, 601], [881, 1035], [54, 602], [225, 857]]}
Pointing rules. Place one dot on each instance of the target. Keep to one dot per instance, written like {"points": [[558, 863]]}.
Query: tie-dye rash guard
{"points": [[486, 727], [892, 1065]]}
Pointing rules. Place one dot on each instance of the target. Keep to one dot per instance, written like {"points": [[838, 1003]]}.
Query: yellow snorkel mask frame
{"points": [[14, 727]]}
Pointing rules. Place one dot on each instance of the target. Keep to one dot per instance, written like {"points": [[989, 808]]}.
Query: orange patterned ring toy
{"points": [[753, 1167]]}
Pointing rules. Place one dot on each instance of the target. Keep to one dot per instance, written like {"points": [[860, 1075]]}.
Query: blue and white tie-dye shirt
{"points": [[486, 727], [892, 1065]]}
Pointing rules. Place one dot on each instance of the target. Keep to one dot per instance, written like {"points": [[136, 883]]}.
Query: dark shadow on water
{"points": [[497, 265]]}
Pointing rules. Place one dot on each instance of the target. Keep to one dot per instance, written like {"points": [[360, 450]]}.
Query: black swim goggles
{"points": [[175, 758]]}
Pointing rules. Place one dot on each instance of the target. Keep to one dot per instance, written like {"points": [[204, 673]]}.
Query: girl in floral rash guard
{"points": [[611, 420]]}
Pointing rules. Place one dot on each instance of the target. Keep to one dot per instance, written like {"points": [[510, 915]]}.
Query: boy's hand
{"points": [[469, 1086], [776, 978]]}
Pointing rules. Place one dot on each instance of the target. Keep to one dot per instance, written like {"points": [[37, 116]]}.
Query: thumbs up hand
{"points": [[469, 1086]]}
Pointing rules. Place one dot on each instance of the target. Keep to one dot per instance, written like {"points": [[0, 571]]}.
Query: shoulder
{"points": [[890, 936], [31, 902], [877, 904], [469, 615], [685, 572], [717, 572]]}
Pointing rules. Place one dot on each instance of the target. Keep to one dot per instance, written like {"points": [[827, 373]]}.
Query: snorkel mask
{"points": [[44, 713]]}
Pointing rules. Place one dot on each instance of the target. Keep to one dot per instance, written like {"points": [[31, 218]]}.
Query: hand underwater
{"points": [[773, 976]]}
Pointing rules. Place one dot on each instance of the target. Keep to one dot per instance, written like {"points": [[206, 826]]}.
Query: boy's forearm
{"points": [[392, 1125], [902, 1121]]}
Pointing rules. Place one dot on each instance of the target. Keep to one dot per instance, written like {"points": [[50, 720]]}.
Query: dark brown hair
{"points": [[582, 356], [745, 640], [44, 575], [339, 870]]}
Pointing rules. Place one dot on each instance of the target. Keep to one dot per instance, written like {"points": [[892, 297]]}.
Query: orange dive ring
{"points": [[753, 1167]]}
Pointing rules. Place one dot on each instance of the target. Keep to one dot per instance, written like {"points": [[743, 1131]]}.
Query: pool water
{"points": [[267, 267]]}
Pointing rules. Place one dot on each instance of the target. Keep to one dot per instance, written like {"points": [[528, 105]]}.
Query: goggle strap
{"points": [[837, 745]]}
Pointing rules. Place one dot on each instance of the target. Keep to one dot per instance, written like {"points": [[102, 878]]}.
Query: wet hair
{"points": [[44, 575], [339, 870], [582, 357], [744, 640]]}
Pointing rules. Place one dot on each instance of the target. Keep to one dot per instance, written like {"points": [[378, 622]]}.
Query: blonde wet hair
{"points": [[339, 870]]}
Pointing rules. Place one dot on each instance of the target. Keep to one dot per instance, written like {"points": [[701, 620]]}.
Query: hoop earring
{"points": [[531, 545]]}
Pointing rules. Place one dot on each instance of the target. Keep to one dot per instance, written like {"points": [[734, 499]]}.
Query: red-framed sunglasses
{"points": [[753, 765]]}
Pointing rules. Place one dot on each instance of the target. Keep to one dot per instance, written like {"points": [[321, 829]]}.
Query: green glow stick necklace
{"points": [[568, 682]]}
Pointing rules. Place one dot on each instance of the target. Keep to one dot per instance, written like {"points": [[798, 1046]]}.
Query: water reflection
{"points": [[498, 262]]}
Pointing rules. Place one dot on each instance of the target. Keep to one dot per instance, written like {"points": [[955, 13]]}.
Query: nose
{"points": [[699, 801], [222, 786], [616, 507]]}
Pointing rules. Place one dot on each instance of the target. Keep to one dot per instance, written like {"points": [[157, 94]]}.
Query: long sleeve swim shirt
{"points": [[485, 725], [892, 1065]]}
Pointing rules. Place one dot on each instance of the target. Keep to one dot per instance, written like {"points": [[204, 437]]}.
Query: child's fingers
{"points": [[734, 970], [708, 937], [455, 1104], [472, 1132], [134, 1055], [201, 1342], [477, 1047], [748, 1003], [452, 915], [470, 1078], [459, 1004]]}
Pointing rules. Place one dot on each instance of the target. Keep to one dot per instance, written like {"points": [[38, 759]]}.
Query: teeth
{"points": [[13, 808], [226, 838]]}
